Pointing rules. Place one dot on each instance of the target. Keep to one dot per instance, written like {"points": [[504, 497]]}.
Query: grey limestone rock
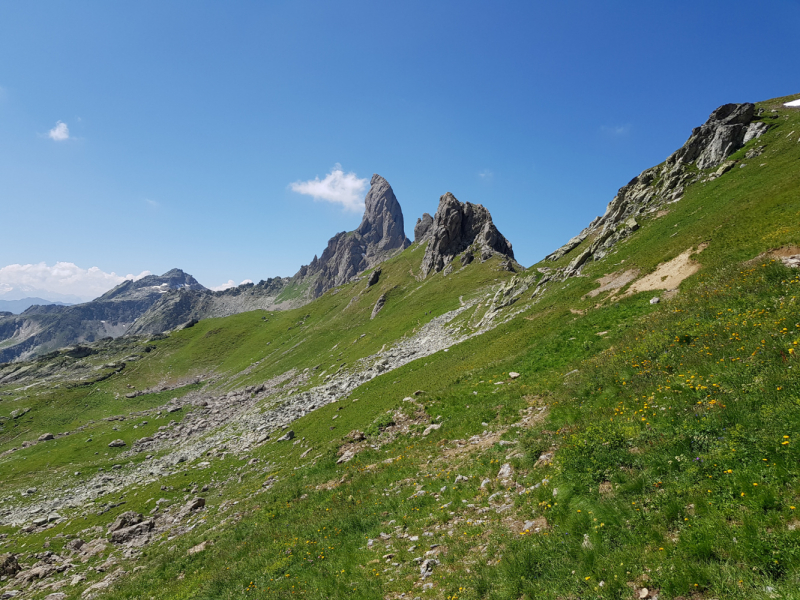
{"points": [[128, 534], [289, 435], [378, 306], [422, 227], [9, 565], [125, 520], [456, 227]]}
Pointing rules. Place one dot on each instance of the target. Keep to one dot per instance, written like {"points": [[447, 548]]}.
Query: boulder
{"points": [[378, 306], [93, 548], [505, 472], [45, 437], [124, 520], [9, 565], [134, 533], [289, 435], [116, 444]]}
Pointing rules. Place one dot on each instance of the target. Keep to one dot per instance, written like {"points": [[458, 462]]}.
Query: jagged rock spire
{"points": [[380, 235], [457, 226]]}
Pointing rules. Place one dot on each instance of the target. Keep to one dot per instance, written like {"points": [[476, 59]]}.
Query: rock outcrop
{"points": [[456, 227], [43, 328], [422, 227], [727, 129], [380, 236]]}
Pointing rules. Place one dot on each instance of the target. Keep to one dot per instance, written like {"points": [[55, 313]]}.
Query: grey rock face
{"points": [[719, 137], [422, 227], [380, 236], [456, 227], [727, 129]]}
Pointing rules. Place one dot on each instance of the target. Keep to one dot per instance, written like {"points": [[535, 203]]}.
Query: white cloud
{"points": [[63, 278], [224, 286], [151, 203], [337, 187], [60, 132], [486, 175], [228, 285]]}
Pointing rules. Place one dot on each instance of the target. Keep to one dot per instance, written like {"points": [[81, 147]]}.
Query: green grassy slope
{"points": [[673, 461]]}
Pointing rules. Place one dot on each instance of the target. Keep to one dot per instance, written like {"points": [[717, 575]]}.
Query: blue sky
{"points": [[188, 122]]}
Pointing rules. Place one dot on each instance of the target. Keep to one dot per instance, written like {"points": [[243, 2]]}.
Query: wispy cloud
{"points": [[151, 203], [62, 278], [337, 187], [616, 130], [486, 175], [60, 132]]}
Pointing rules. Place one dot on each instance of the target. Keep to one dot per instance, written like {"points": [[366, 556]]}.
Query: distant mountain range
{"points": [[18, 306]]}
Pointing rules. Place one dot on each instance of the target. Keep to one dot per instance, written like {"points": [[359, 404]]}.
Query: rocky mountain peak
{"points": [[171, 280], [382, 227], [458, 226], [380, 235]]}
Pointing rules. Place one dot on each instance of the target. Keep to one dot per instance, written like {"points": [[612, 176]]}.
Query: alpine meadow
{"points": [[429, 418]]}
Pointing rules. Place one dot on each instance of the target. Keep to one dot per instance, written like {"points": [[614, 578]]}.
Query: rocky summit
{"points": [[459, 227], [381, 235]]}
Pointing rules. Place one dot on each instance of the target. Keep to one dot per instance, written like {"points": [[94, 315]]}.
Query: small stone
{"points": [[199, 548], [431, 427], [46, 436], [289, 435], [513, 375], [655, 300], [505, 472], [116, 444]]}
